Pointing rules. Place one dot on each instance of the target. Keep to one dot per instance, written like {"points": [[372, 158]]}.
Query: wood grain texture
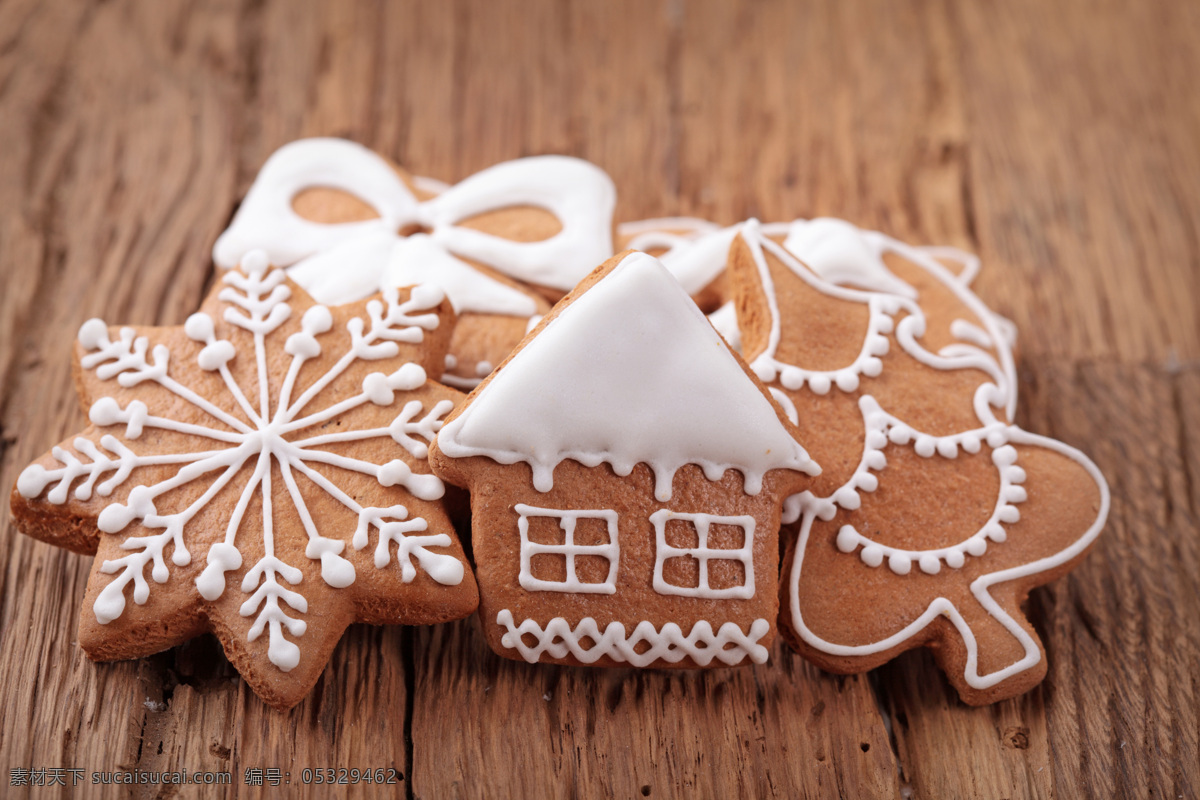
{"points": [[1058, 140]]}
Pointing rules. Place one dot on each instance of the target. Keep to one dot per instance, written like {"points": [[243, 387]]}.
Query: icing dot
{"points": [[947, 448], [110, 603], [847, 539], [930, 564], [317, 320], [996, 438], [847, 381], [283, 653], [1009, 514], [899, 563], [216, 355], [408, 377], [31, 481], [878, 345], [1015, 494], [255, 263], [302, 345], [827, 511], [450, 362], [876, 460], [1003, 456], [820, 384], [1014, 474], [971, 443], [764, 370], [483, 368], [955, 559], [996, 533], [925, 446], [872, 367], [876, 440], [93, 333], [375, 387], [900, 434], [199, 327], [105, 411], [847, 498], [868, 482], [792, 378], [446, 571], [336, 571], [872, 555], [976, 546]]}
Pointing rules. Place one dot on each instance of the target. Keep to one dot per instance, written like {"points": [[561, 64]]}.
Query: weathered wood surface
{"points": [[1058, 140]]}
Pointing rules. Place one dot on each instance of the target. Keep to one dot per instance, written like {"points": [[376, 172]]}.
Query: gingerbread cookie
{"points": [[259, 472], [347, 223], [696, 252], [935, 516], [626, 471]]}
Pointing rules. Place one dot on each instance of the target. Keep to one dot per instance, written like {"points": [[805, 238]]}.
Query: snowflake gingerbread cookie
{"points": [[935, 515], [626, 472], [346, 223], [259, 472]]}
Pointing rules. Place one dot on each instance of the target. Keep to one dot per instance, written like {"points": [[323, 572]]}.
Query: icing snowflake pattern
{"points": [[269, 430]]}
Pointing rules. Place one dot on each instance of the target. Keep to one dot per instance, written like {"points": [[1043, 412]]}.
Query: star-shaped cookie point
{"points": [[260, 472]]}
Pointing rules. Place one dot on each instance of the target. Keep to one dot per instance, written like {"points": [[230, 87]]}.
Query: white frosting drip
{"points": [[728, 644], [630, 372]]}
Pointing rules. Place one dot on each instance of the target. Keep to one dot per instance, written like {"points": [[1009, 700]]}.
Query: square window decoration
{"points": [[569, 550], [703, 554]]}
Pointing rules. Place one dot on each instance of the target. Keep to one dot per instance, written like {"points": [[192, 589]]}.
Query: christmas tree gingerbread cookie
{"points": [[626, 473], [259, 472], [935, 515], [347, 223]]}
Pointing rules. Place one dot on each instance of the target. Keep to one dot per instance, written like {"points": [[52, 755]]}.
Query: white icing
{"points": [[419, 259], [837, 252], [362, 256], [703, 554], [567, 520], [724, 319], [841, 254], [255, 301], [941, 606], [697, 262], [728, 644], [630, 372], [930, 561]]}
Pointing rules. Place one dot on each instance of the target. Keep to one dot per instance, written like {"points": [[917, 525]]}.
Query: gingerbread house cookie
{"points": [[626, 471], [259, 472]]}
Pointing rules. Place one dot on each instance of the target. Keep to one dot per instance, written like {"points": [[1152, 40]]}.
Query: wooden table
{"points": [[1060, 141]]}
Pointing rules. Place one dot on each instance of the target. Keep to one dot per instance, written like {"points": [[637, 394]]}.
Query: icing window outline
{"points": [[568, 549], [703, 554]]}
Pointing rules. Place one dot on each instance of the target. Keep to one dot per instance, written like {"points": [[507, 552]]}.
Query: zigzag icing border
{"points": [[559, 640]]}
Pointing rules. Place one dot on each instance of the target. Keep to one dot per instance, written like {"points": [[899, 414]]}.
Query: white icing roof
{"points": [[631, 372]]}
